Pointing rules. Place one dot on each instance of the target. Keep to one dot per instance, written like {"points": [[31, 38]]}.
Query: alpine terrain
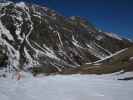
{"points": [[38, 39]]}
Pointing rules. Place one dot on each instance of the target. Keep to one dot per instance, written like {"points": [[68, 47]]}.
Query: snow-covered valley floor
{"points": [[71, 87]]}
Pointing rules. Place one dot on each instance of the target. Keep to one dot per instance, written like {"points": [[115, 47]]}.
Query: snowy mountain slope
{"points": [[119, 61], [37, 36]]}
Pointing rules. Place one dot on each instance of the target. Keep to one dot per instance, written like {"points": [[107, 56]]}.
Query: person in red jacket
{"points": [[18, 75]]}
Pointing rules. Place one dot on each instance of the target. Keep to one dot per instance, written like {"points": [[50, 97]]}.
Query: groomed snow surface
{"points": [[71, 87]]}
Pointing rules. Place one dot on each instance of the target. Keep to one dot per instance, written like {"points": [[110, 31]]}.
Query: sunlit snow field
{"points": [[71, 87]]}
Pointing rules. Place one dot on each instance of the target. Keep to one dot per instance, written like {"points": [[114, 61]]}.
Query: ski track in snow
{"points": [[71, 87]]}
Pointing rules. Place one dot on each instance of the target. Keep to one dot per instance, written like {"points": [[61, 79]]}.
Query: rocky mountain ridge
{"points": [[37, 36]]}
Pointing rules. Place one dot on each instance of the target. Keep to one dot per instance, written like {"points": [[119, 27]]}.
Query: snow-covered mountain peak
{"points": [[4, 3], [21, 4], [113, 35]]}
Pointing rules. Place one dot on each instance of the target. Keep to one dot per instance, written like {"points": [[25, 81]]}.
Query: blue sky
{"points": [[109, 15]]}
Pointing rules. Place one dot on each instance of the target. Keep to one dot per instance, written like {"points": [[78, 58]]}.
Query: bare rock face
{"points": [[36, 36], [3, 58]]}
